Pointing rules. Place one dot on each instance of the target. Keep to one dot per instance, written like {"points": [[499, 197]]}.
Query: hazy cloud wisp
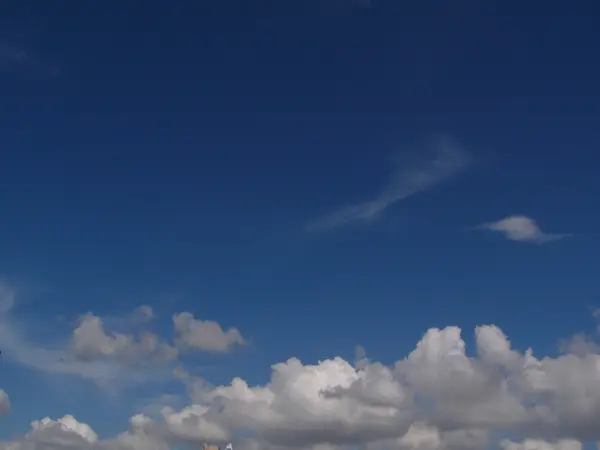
{"points": [[407, 180]]}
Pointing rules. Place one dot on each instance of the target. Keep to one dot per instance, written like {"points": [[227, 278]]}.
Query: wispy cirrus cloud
{"points": [[445, 160], [521, 228]]}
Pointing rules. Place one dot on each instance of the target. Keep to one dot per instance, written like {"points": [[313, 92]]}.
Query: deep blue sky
{"points": [[173, 155]]}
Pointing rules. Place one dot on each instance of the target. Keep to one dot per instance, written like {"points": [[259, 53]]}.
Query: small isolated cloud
{"points": [[522, 229], [445, 161]]}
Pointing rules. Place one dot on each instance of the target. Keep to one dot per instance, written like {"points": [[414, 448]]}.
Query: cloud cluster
{"points": [[68, 433], [109, 357], [438, 397]]}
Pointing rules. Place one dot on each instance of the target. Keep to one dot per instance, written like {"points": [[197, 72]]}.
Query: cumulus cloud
{"points": [[107, 357], [522, 229], [68, 433], [90, 341], [445, 161], [91, 353], [438, 397], [206, 335]]}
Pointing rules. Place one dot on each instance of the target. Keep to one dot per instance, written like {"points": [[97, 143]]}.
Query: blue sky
{"points": [[318, 175]]}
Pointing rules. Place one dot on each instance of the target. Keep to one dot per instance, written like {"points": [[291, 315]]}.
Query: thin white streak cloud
{"points": [[407, 180]]}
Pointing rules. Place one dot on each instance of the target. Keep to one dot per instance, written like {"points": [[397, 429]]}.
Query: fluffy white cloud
{"points": [[64, 433], [90, 341], [438, 397], [96, 352], [522, 229], [193, 424], [206, 335], [68, 433], [92, 353]]}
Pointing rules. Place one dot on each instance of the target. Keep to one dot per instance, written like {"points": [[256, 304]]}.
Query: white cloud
{"points": [[108, 358], [206, 335], [193, 424], [90, 342], [522, 229], [68, 433], [438, 397], [67, 423], [407, 180]]}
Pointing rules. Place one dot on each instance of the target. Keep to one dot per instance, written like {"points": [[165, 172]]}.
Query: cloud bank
{"points": [[438, 397], [522, 229], [445, 161]]}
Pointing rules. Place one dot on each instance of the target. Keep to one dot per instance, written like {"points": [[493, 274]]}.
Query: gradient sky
{"points": [[318, 174]]}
